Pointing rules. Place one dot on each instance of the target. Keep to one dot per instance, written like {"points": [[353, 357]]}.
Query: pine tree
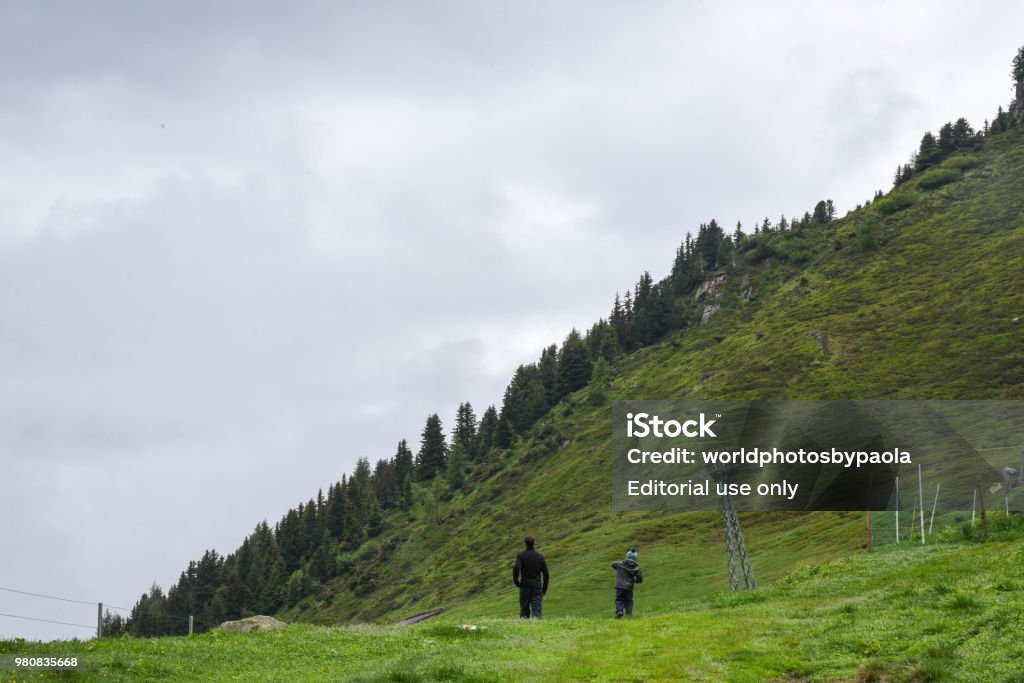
{"points": [[383, 484], [503, 435], [574, 365], [361, 475], [600, 383], [352, 513], [374, 518], [928, 152], [320, 564], [487, 432], [963, 134], [609, 349], [619, 321], [821, 212], [525, 400], [403, 460], [456, 474], [336, 510], [641, 327], [464, 432], [707, 245], [433, 449], [548, 369], [946, 142], [310, 529]]}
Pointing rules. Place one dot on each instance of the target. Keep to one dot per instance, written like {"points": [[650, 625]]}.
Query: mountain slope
{"points": [[916, 296]]}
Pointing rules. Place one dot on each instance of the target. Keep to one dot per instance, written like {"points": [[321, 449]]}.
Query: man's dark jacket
{"points": [[627, 574], [531, 571]]}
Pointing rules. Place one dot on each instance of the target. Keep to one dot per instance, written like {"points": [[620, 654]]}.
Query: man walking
{"points": [[531, 576], [626, 574]]}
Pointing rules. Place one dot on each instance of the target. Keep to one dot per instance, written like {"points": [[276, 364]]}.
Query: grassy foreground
{"points": [[946, 612]]}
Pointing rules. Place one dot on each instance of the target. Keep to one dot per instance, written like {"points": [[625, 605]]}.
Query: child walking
{"points": [[626, 575]]}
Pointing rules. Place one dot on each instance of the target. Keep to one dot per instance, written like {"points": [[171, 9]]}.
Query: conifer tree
{"points": [[464, 432], [487, 432], [963, 134], [383, 483], [618, 320], [928, 152], [707, 245], [821, 212], [609, 348], [503, 435], [310, 529], [433, 449], [336, 511], [600, 383], [456, 474], [352, 515], [374, 518], [320, 564], [946, 141], [574, 365], [403, 460], [524, 402], [548, 369], [1002, 120]]}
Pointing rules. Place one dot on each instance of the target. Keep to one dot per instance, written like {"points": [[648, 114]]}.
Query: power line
{"points": [[49, 597], [53, 597], [123, 609], [48, 621]]}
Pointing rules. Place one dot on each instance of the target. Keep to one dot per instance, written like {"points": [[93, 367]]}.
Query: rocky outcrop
{"points": [[251, 624], [746, 288], [711, 291], [822, 340], [710, 310], [1017, 106], [710, 286]]}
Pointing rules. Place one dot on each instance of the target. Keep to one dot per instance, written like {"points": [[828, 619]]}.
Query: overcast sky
{"points": [[243, 244]]}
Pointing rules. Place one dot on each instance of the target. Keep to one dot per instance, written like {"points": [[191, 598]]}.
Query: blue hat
{"points": [[631, 555]]}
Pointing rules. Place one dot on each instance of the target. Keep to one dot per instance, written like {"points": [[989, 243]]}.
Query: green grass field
{"points": [[949, 611]]}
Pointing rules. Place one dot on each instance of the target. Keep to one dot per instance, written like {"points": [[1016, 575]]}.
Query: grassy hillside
{"points": [[948, 612], [914, 296]]}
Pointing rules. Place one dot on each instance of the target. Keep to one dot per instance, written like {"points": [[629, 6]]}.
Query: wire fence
{"points": [[103, 609], [936, 503]]}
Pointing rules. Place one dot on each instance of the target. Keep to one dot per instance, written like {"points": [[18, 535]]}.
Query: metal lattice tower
{"points": [[741, 574]]}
